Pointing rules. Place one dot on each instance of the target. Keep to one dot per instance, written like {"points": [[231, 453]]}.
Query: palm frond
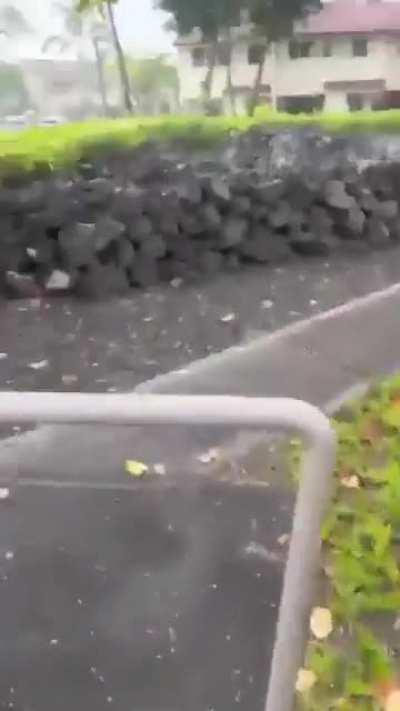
{"points": [[57, 41]]}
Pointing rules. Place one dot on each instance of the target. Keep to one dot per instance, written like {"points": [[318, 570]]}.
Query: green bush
{"points": [[63, 145]]}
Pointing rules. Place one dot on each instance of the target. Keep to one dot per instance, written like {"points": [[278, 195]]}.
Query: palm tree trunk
{"points": [[258, 82], [229, 84], [100, 76], [123, 71], [208, 82]]}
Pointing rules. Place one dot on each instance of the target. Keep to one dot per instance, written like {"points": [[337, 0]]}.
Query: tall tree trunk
{"points": [[229, 84], [208, 81], [255, 95], [101, 76], [123, 71]]}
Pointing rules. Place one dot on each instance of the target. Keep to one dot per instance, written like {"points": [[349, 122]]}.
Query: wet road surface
{"points": [[69, 344], [147, 601], [151, 595]]}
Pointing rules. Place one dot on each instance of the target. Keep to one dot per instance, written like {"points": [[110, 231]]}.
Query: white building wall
{"points": [[392, 63], [243, 74], [308, 75], [303, 76]]}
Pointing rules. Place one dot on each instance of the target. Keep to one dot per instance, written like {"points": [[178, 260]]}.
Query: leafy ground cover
{"points": [[352, 661], [38, 147]]}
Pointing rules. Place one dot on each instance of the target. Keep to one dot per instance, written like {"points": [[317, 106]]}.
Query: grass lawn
{"points": [[353, 656], [44, 147]]}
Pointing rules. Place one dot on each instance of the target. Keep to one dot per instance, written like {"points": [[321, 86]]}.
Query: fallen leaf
{"points": [[228, 318], [176, 283], [321, 623], [256, 550], [3, 356], [350, 482], [39, 365], [69, 379], [135, 468], [160, 469], [283, 540], [58, 281], [267, 304], [305, 680], [207, 457]]}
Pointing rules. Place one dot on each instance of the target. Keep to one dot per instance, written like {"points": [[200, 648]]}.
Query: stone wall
{"points": [[134, 219]]}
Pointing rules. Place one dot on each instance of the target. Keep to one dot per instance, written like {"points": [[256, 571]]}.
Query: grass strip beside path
{"points": [[353, 656], [39, 148]]}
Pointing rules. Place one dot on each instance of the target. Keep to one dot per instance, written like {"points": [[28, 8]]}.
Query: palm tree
{"points": [[156, 82], [74, 35], [13, 22], [123, 70], [98, 48]]}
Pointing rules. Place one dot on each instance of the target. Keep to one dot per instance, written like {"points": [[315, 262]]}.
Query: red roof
{"points": [[355, 16]]}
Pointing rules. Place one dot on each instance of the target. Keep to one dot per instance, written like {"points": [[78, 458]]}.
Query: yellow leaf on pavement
{"points": [[321, 623], [136, 469], [305, 680]]}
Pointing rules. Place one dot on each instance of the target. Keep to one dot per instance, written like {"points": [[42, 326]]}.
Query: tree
{"points": [[107, 7], [74, 33], [13, 92], [274, 20], [153, 78], [98, 47], [14, 96], [13, 22], [212, 17]]}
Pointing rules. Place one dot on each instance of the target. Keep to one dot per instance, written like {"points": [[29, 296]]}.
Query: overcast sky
{"points": [[140, 26]]}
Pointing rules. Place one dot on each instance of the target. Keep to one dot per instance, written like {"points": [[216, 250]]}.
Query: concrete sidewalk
{"points": [[315, 359]]}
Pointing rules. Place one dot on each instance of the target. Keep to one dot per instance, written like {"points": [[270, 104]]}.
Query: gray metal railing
{"points": [[279, 414]]}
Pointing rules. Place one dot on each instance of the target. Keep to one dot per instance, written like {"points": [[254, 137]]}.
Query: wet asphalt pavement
{"points": [[140, 601], [113, 345], [147, 596]]}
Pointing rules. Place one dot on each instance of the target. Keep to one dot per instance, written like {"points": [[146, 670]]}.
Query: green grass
{"points": [[42, 148], [360, 575]]}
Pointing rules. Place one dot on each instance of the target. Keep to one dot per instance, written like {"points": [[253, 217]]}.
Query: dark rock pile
{"points": [[133, 221]]}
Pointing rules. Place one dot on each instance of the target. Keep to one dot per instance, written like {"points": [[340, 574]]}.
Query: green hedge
{"points": [[48, 147]]}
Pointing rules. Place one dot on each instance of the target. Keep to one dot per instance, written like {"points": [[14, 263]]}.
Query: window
{"points": [[299, 50], [199, 57], [327, 48], [255, 53], [62, 85], [355, 102], [236, 18], [224, 54], [360, 48]]}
